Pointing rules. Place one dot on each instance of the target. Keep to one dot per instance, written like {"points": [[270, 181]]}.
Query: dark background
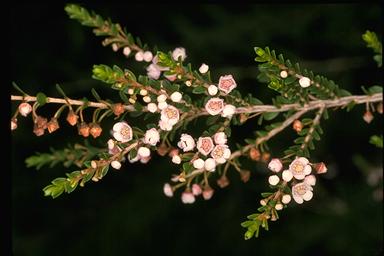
{"points": [[126, 213]]}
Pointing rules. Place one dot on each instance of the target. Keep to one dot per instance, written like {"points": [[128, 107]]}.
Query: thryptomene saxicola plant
{"points": [[170, 97]]}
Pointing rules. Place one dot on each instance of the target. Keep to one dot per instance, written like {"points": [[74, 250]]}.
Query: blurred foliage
{"points": [[126, 213]]}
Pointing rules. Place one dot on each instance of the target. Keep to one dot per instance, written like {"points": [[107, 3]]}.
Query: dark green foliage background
{"points": [[126, 213]]}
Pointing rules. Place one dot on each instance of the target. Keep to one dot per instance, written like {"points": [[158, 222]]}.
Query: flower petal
{"points": [[308, 195], [298, 199], [307, 169]]}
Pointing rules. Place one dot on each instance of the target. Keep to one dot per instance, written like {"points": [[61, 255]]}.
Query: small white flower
{"points": [[131, 91], [152, 137], [287, 175], [161, 98], [220, 138], [310, 180], [147, 99], [221, 153], [203, 68], [176, 159], [186, 143], [212, 90], [275, 165], [153, 71], [228, 110], [188, 83], [143, 92], [304, 82], [214, 106], [279, 207], [285, 199], [115, 48], [187, 197], [300, 168], [205, 145], [143, 152], [126, 51], [210, 164], [263, 202], [179, 52], [167, 189], [25, 109], [302, 192], [139, 56], [196, 189], [170, 114], [176, 97], [227, 84], [273, 180], [165, 126], [162, 105], [122, 132], [198, 163], [283, 74], [152, 107], [147, 56], [116, 165]]}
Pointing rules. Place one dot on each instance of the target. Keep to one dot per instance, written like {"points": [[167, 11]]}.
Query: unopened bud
{"points": [[72, 118], [368, 117], [297, 125], [53, 125], [320, 168], [25, 108], [118, 109], [254, 154]]}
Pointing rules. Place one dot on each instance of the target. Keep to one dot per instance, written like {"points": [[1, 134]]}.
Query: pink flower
{"points": [[179, 52], [273, 180], [153, 71], [205, 145], [228, 110], [220, 138], [302, 192], [198, 163], [25, 108], [203, 68], [152, 137], [122, 132], [310, 180], [116, 165], [171, 77], [275, 165], [186, 143], [196, 189], [170, 114], [300, 168], [187, 197], [210, 164], [214, 106], [208, 193], [167, 189], [221, 153], [113, 149], [165, 126], [227, 84], [144, 152]]}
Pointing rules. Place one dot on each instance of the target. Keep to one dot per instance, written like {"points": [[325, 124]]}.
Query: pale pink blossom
{"points": [[122, 132], [275, 165], [167, 189], [161, 98], [227, 84], [113, 149], [170, 114], [220, 138], [139, 56], [279, 207], [302, 192], [304, 82], [13, 123], [196, 189], [152, 107], [300, 168], [115, 48], [221, 153], [186, 143], [155, 61], [214, 106], [203, 68], [162, 105], [25, 108], [153, 71], [176, 159], [176, 97], [228, 111], [187, 197], [116, 165], [143, 152], [145, 160], [126, 51], [205, 145], [152, 137], [179, 52], [310, 180], [208, 192], [287, 175], [165, 126], [147, 56], [285, 199], [212, 90]]}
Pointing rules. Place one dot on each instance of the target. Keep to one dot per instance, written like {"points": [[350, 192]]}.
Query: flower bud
{"points": [[95, 130], [93, 164], [212, 90], [187, 197], [83, 129], [139, 56], [279, 207], [203, 68], [210, 164], [304, 82], [243, 118], [297, 125], [162, 149], [25, 108], [310, 180], [273, 180], [167, 189], [265, 157], [41, 122], [207, 192], [368, 117], [285, 199], [198, 163], [144, 152], [176, 159], [245, 175], [176, 97], [379, 108], [275, 165], [287, 175], [220, 138], [72, 118], [196, 189], [115, 47], [254, 154], [118, 109], [126, 51], [283, 74], [320, 168], [147, 56], [53, 125], [152, 107], [116, 165], [161, 98], [38, 131], [223, 181]]}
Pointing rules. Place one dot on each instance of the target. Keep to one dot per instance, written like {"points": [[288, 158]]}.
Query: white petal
{"points": [[307, 169], [298, 199], [299, 176], [118, 126], [220, 160], [287, 175], [303, 160], [308, 195]]}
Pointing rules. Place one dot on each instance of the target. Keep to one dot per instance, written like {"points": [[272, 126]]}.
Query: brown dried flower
{"points": [[118, 109], [254, 154], [223, 181], [53, 125], [72, 118], [95, 130], [245, 175], [83, 129]]}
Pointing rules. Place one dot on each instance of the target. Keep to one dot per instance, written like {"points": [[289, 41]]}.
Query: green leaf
{"points": [[270, 115], [199, 90], [376, 140], [41, 98], [188, 167]]}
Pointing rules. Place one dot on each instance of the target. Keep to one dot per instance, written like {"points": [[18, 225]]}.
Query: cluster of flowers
{"points": [[211, 151], [299, 173]]}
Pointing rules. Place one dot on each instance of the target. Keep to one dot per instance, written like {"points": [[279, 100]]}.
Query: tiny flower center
{"points": [[215, 105], [300, 189], [206, 145], [125, 132], [226, 84], [218, 152], [298, 168], [171, 113]]}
